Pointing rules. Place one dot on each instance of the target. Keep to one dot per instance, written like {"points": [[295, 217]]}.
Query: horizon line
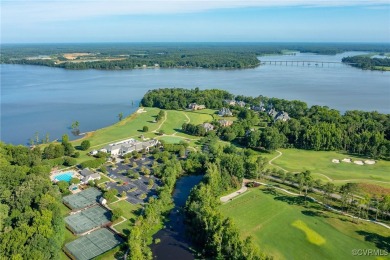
{"points": [[198, 42]]}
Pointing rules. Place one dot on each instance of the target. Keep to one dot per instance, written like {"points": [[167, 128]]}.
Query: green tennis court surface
{"points": [[93, 244], [88, 219], [83, 199]]}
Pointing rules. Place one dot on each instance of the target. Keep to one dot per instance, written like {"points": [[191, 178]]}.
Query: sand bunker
{"points": [[358, 162], [369, 162], [335, 161], [347, 160]]}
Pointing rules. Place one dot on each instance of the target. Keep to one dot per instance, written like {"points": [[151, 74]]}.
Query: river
{"points": [[47, 100], [173, 242]]}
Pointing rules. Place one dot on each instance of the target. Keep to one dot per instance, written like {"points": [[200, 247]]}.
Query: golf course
{"points": [[291, 160], [286, 229], [321, 166]]}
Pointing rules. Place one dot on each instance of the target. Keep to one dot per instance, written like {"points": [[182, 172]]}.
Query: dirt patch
{"points": [[75, 55], [374, 189]]}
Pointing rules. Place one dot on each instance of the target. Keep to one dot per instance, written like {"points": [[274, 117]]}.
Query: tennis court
{"points": [[88, 219], [83, 199], [93, 244]]}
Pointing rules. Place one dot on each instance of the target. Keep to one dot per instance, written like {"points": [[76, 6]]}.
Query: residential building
{"points": [[208, 127], [282, 116], [225, 112], [225, 123], [278, 116], [230, 102], [241, 103], [195, 106]]}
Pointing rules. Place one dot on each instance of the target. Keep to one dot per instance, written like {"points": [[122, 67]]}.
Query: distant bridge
{"points": [[305, 63]]}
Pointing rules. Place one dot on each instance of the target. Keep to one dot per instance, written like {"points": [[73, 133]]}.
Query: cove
{"points": [[173, 242]]}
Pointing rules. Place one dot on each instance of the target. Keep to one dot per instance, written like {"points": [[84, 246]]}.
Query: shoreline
{"points": [[122, 122]]}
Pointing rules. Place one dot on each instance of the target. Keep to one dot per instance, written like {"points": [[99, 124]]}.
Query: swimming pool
{"points": [[66, 176]]}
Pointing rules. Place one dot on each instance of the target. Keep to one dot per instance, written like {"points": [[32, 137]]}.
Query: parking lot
{"points": [[134, 188]]}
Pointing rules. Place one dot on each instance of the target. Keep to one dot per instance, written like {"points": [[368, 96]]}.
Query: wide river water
{"points": [[47, 100]]}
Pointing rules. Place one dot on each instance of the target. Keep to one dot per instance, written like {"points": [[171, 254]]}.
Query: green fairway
{"points": [[174, 121], [200, 116], [320, 164], [171, 139], [286, 230]]}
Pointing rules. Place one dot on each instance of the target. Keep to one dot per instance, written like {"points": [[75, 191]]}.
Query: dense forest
{"points": [[166, 55], [365, 62], [314, 128], [31, 224]]}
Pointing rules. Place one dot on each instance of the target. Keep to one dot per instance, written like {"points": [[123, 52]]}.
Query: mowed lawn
{"points": [[200, 116], [318, 162], [289, 231], [174, 122], [129, 212], [129, 127]]}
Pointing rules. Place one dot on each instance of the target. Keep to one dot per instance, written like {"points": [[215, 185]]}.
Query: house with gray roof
{"points": [[241, 103], [282, 116], [208, 127], [225, 112], [89, 175], [278, 116]]}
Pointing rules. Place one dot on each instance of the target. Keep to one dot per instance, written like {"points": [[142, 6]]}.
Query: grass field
{"points": [[286, 230], [128, 208], [171, 139], [320, 164]]}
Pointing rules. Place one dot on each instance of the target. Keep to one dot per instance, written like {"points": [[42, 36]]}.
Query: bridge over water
{"points": [[312, 63]]}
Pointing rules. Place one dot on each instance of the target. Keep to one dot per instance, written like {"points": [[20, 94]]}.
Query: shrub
{"points": [[69, 161], [85, 145], [116, 214], [145, 129], [74, 181], [94, 163]]}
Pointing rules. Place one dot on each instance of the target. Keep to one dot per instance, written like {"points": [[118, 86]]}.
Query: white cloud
{"points": [[56, 10]]}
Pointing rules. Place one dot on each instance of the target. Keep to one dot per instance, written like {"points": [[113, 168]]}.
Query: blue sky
{"points": [[195, 21]]}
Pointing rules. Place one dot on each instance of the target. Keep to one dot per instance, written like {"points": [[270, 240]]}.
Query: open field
{"points": [[129, 212], [171, 139], [284, 228], [174, 122], [321, 166], [128, 208]]}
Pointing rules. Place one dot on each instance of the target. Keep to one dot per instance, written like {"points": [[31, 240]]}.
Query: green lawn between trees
{"points": [[287, 230]]}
